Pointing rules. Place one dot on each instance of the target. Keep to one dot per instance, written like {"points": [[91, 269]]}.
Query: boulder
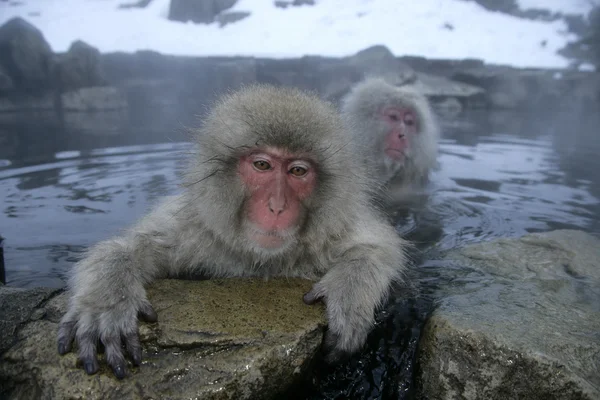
{"points": [[25, 55], [520, 321], [79, 67], [231, 17], [6, 82], [215, 339], [94, 99], [203, 12]]}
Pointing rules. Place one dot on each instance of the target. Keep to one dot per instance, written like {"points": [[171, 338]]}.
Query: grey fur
{"points": [[360, 108], [342, 239]]}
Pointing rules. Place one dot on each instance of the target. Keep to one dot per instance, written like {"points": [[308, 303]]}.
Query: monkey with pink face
{"points": [[395, 130], [273, 190]]}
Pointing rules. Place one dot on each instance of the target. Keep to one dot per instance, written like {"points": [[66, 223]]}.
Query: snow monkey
{"points": [[395, 129], [272, 190]]}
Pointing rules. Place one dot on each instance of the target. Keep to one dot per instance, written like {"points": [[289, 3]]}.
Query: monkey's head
{"points": [[270, 162], [396, 125]]}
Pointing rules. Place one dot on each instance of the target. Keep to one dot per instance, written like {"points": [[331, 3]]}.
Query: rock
{"points": [[17, 307], [79, 67], [136, 4], [27, 102], [296, 3], [203, 12], [25, 55], [94, 99], [215, 339], [379, 61], [6, 82], [231, 17], [96, 123], [520, 321]]}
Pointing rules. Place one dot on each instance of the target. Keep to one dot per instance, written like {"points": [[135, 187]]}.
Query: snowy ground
{"points": [[430, 28]]}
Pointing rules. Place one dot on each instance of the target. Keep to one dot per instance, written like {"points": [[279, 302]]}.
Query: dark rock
{"points": [[79, 67], [6, 82], [17, 307], [520, 320], [25, 55], [94, 99], [231, 17], [136, 4], [28, 102], [98, 123], [303, 2], [216, 339], [203, 12], [295, 3], [379, 61]]}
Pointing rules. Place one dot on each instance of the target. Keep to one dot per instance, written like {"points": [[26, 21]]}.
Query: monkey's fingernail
{"points": [[148, 314], [90, 368], [309, 298], [119, 371], [62, 349], [137, 359]]}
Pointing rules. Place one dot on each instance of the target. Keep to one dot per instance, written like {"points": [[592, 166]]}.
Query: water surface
{"points": [[501, 175]]}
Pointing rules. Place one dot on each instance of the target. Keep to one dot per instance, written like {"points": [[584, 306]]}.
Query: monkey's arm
{"points": [[356, 285], [107, 291]]}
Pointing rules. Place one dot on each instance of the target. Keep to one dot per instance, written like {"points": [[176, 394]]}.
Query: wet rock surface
{"points": [[215, 339], [522, 321]]}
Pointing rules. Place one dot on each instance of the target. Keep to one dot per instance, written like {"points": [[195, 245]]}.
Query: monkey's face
{"points": [[277, 183], [400, 131]]}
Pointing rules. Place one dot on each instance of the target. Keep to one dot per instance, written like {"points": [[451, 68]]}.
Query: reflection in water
{"points": [[51, 212], [492, 182], [501, 175]]}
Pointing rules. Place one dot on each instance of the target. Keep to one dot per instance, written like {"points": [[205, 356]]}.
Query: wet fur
{"points": [[342, 241], [361, 109]]}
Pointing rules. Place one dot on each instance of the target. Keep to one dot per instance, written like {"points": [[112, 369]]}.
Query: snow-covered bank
{"points": [[450, 29]]}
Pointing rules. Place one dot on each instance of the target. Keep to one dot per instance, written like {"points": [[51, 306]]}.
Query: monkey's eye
{"points": [[261, 165], [298, 171], [394, 117], [409, 119]]}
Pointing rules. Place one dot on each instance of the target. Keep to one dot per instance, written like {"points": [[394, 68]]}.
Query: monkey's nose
{"points": [[276, 207]]}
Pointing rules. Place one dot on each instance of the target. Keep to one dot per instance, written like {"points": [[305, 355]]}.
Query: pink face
{"points": [[402, 123], [277, 181]]}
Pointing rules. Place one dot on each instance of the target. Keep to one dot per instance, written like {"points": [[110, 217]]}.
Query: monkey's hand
{"points": [[351, 299], [110, 317]]}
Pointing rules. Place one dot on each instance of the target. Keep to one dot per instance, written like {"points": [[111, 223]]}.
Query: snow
{"points": [[451, 29]]}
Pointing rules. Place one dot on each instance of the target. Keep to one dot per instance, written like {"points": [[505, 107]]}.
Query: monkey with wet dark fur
{"points": [[274, 190], [395, 130]]}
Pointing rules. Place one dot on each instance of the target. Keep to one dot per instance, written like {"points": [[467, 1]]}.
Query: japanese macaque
{"points": [[395, 130], [274, 189]]}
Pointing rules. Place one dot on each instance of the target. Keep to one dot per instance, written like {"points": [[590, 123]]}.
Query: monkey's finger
{"points": [[87, 352], [313, 296], [132, 343], [147, 313], [66, 335], [114, 355]]}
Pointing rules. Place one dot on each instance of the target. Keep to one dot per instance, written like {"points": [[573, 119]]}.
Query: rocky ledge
{"points": [[157, 87], [520, 321], [517, 319], [217, 339]]}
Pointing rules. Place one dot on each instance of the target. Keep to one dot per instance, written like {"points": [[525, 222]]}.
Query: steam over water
{"points": [[502, 175]]}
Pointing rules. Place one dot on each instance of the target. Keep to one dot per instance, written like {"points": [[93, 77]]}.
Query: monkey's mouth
{"points": [[271, 239], [394, 154]]}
